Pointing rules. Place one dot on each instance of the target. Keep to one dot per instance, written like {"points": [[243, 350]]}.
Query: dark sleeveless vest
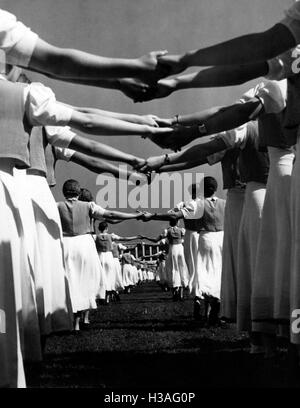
{"points": [[104, 243], [239, 166], [174, 235], [15, 129], [37, 145], [126, 258], [213, 217], [75, 217]]}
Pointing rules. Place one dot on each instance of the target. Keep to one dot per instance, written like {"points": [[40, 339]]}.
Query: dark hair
{"points": [[210, 186], [71, 188], [102, 226], [85, 195], [173, 222]]}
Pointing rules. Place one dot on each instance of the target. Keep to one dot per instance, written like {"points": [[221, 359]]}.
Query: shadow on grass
{"points": [[161, 370]]}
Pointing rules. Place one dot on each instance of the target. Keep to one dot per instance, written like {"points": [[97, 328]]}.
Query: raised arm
{"points": [[157, 239], [71, 63], [156, 255], [99, 166], [131, 87], [95, 124], [188, 158], [218, 76], [128, 117], [121, 215], [127, 238], [226, 118], [241, 50], [100, 150]]}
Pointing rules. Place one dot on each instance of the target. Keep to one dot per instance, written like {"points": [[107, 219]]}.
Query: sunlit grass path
{"points": [[147, 340]]}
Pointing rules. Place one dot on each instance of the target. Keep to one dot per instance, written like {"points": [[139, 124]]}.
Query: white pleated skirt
{"points": [[109, 268], [247, 251], [19, 328], [271, 287], [295, 250], [233, 213], [190, 246], [208, 279], [134, 274], [145, 276], [53, 290], [127, 275], [83, 271], [162, 272], [119, 278], [140, 274], [176, 268]]}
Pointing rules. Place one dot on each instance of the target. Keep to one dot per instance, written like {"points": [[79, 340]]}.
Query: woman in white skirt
{"points": [[81, 258], [206, 283], [19, 328], [127, 270], [104, 243], [271, 289], [295, 252], [116, 247], [254, 165], [175, 264]]}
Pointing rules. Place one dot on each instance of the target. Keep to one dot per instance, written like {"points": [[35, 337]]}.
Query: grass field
{"points": [[148, 341]]}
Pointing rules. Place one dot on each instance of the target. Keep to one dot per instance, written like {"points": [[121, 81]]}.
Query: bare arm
{"points": [[218, 76], [194, 156], [95, 124], [226, 118], [101, 150], [127, 238], [241, 50], [121, 215], [171, 168], [154, 239], [99, 166], [128, 117], [71, 63]]}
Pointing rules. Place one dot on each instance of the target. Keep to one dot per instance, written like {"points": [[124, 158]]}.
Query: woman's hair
{"points": [[85, 195], [210, 186], [173, 222], [71, 188], [102, 226]]}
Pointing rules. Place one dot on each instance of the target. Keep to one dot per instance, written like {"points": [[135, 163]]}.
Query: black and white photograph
{"points": [[149, 197]]}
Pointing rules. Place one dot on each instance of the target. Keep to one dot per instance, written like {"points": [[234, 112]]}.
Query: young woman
{"points": [[206, 281], [25, 48], [175, 263], [81, 259], [104, 244], [127, 270]]}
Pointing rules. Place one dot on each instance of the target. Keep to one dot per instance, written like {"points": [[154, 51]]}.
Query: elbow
{"points": [[88, 121], [92, 150], [94, 166]]}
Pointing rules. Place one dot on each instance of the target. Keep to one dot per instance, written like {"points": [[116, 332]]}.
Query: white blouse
{"points": [[63, 153], [42, 108], [16, 40]]}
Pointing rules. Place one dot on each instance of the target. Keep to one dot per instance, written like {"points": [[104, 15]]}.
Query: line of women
{"points": [[254, 140]]}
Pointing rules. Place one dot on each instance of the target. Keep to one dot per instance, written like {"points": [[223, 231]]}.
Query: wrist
{"points": [[185, 59], [201, 129], [175, 120], [131, 160]]}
